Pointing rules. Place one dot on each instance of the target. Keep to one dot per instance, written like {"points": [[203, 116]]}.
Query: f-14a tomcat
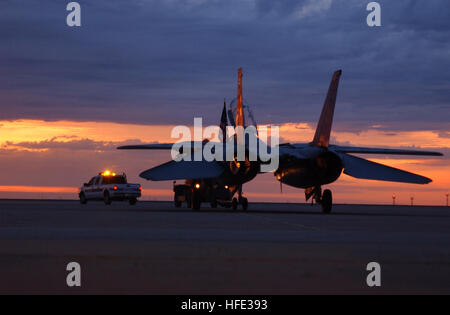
{"points": [[311, 165], [308, 166]]}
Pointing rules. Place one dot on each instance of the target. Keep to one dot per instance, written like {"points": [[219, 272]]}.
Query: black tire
{"points": [[214, 204], [189, 200], [244, 204], [132, 202], [327, 201], [234, 203], [176, 202], [196, 202], [107, 198], [83, 199]]}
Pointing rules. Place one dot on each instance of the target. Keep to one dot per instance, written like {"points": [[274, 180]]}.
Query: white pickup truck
{"points": [[108, 186]]}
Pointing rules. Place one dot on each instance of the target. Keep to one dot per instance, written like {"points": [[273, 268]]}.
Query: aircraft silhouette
{"points": [[308, 166]]}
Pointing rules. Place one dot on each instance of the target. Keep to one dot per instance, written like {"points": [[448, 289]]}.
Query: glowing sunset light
{"points": [[36, 154], [65, 131], [38, 189]]}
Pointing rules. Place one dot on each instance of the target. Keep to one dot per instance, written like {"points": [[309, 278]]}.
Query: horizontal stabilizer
{"points": [[364, 169], [362, 150], [183, 170]]}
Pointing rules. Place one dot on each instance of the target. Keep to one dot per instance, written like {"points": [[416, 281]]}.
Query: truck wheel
{"points": [[132, 201], [188, 201], [107, 198], [196, 202], [234, 203], [214, 203], [176, 202], [83, 199]]}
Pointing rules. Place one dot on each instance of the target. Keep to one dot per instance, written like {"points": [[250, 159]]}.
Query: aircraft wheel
{"points": [[327, 201], [107, 198], [244, 203], [83, 199], [234, 203], [132, 202]]}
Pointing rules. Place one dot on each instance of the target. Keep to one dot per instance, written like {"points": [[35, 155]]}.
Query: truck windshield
{"points": [[107, 180]]}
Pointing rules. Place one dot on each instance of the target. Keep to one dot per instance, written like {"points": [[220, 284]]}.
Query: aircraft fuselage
{"points": [[314, 168]]}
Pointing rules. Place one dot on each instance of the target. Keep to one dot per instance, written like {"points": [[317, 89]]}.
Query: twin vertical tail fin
{"points": [[322, 136], [224, 122], [239, 102]]}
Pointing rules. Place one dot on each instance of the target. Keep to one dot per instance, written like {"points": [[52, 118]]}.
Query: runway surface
{"points": [[155, 248]]}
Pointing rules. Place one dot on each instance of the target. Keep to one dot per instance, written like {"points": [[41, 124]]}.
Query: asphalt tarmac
{"points": [[154, 248]]}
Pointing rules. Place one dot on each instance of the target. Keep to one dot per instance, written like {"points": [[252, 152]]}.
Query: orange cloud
{"points": [[38, 189], [38, 130], [28, 143]]}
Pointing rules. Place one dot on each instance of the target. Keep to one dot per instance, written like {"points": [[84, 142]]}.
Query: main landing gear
{"points": [[241, 200], [325, 199]]}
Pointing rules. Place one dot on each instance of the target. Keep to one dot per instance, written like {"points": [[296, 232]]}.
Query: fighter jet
{"points": [[311, 165], [207, 181], [308, 166]]}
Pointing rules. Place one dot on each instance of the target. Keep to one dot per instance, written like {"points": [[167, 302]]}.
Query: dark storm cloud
{"points": [[165, 61], [284, 8]]}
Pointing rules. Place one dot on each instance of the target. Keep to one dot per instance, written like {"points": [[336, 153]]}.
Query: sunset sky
{"points": [[135, 69]]}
